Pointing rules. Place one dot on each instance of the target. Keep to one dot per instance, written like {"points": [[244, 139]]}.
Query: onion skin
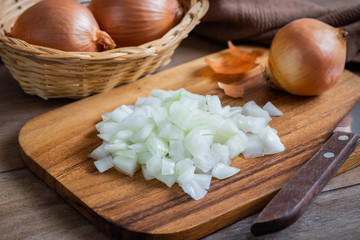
{"points": [[64, 25], [307, 57], [132, 23]]}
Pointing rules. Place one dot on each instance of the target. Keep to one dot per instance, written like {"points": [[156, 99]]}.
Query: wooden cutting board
{"points": [[55, 146]]}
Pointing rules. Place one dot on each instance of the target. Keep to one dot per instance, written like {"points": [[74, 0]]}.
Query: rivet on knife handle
{"points": [[292, 200]]}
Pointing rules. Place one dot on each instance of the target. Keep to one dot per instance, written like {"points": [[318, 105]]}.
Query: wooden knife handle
{"points": [[292, 200]]}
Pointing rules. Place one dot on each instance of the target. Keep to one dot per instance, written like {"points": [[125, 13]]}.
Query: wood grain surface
{"points": [[296, 195], [55, 146]]}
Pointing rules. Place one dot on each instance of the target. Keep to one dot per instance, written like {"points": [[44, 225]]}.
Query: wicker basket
{"points": [[50, 73]]}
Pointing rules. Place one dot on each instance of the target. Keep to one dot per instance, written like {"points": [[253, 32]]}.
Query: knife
{"points": [[292, 200]]}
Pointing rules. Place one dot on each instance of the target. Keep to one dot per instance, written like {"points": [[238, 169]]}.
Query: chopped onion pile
{"points": [[178, 136]]}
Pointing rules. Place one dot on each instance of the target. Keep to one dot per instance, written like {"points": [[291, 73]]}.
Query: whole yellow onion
{"points": [[65, 25], [307, 57], [132, 23]]}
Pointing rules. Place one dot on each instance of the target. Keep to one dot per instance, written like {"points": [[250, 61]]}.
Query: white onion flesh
{"points": [[222, 171], [272, 110], [185, 138]]}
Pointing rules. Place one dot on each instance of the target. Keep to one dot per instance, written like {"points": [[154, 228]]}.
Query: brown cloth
{"points": [[257, 21]]}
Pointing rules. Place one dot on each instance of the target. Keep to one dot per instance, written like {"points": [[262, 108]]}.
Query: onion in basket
{"points": [[65, 25], [132, 23], [180, 137]]}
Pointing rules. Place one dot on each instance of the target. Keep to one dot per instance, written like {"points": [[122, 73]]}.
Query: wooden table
{"points": [[29, 209]]}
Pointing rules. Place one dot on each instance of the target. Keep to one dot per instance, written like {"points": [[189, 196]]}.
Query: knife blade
{"points": [[293, 199]]}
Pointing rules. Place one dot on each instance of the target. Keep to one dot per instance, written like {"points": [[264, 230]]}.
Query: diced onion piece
{"points": [[115, 147], [127, 166], [252, 109], [272, 110], [185, 170], [179, 114], [176, 133], [205, 164], [156, 113], [213, 103], [161, 94], [143, 133], [252, 124], [186, 175], [236, 144], [197, 119], [183, 166], [225, 131], [154, 164], [271, 141], [190, 103], [253, 146], [167, 166], [129, 153], [134, 121], [146, 173], [108, 127], [222, 171], [164, 128], [119, 114], [124, 134], [138, 147], [197, 144], [143, 157], [177, 149], [157, 145], [223, 152], [150, 101], [194, 190], [203, 180], [99, 152], [105, 117], [104, 164], [169, 180]]}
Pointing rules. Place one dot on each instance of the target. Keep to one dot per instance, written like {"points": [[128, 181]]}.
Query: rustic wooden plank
{"points": [[333, 214], [295, 196], [15, 101], [16, 108], [56, 148], [348, 179], [324, 212], [31, 210]]}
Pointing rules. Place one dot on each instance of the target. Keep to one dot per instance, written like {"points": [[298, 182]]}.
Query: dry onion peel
{"points": [[64, 25], [244, 55], [232, 90], [236, 89], [307, 57], [181, 137], [228, 64], [132, 23], [236, 62]]}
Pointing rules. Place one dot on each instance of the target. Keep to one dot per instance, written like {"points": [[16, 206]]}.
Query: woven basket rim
{"points": [[191, 18]]}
